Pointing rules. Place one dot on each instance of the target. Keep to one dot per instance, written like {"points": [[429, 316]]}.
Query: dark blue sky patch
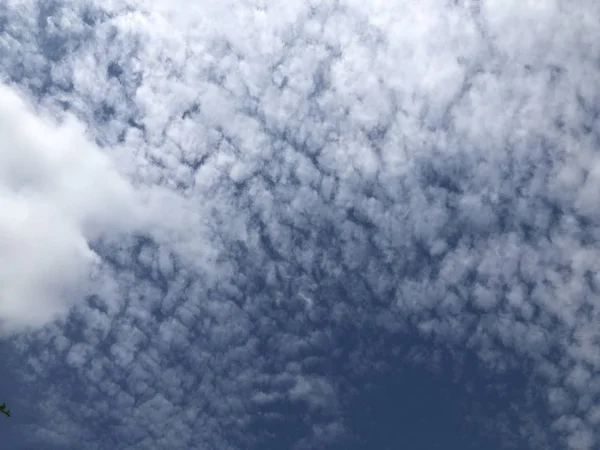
{"points": [[401, 391]]}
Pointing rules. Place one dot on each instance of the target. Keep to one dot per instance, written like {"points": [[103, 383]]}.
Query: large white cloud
{"points": [[58, 192]]}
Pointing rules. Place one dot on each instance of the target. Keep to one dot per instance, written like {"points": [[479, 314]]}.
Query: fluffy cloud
{"points": [[365, 219], [58, 192]]}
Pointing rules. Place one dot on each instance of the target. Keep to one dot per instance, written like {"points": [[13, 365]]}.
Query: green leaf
{"points": [[4, 411]]}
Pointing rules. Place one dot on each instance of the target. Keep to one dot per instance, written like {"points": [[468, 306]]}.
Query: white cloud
{"points": [[57, 193], [350, 163]]}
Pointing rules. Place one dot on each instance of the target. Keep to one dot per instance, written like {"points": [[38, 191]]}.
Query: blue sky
{"points": [[300, 224]]}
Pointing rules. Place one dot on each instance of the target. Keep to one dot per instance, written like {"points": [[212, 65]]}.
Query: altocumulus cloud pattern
{"points": [[300, 224]]}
